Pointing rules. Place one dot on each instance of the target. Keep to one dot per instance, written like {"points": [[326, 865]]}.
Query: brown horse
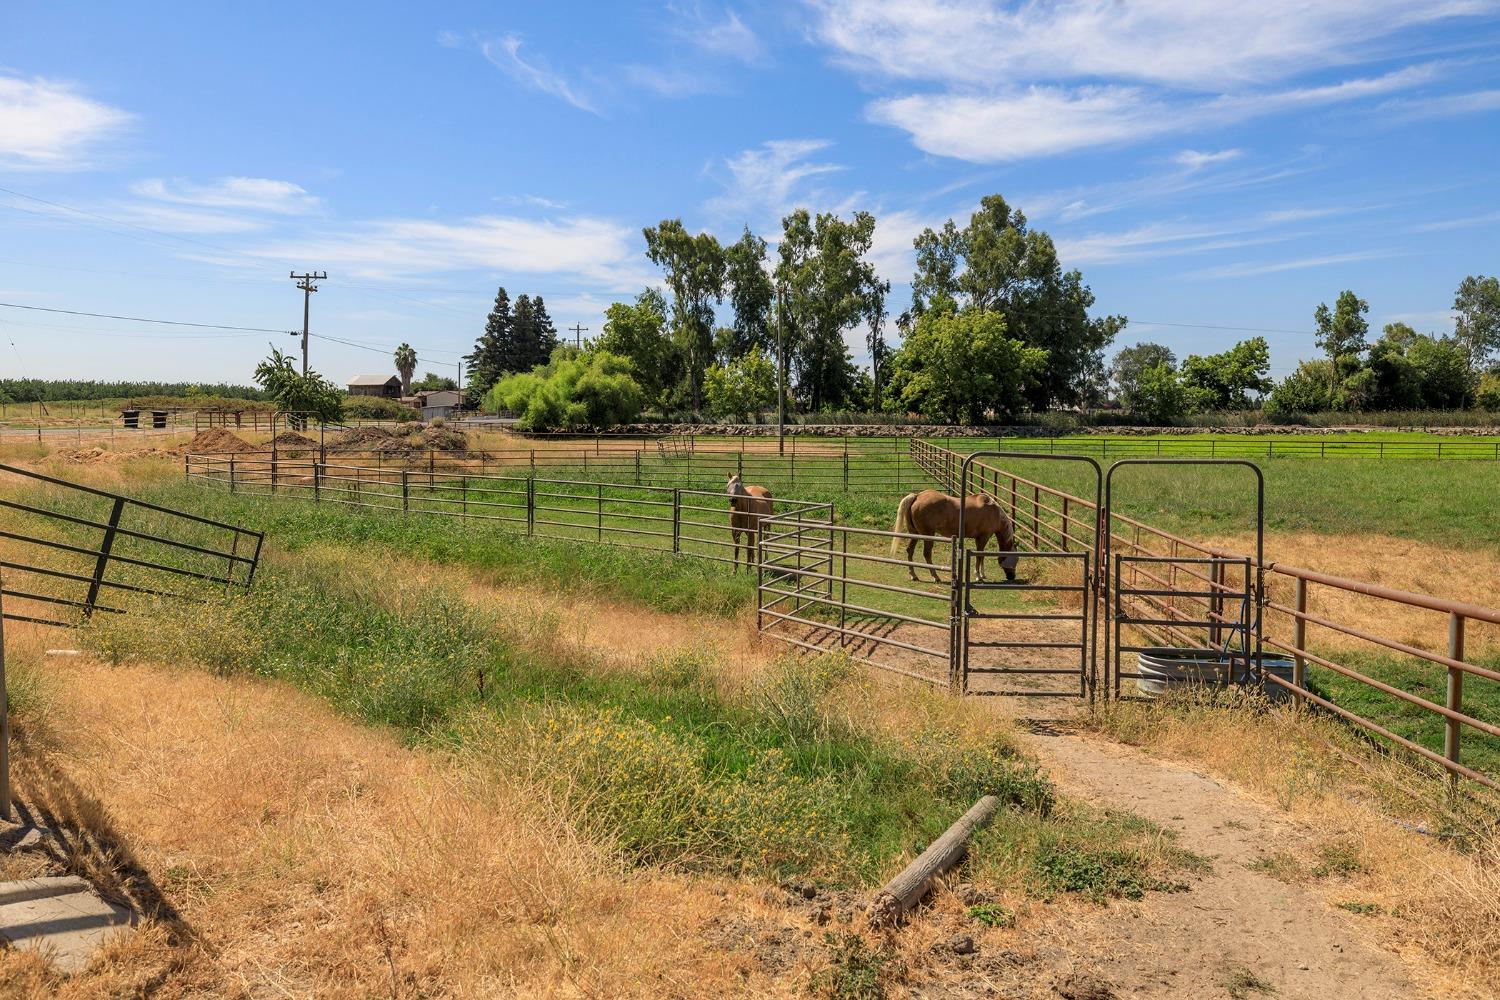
{"points": [[935, 513], [747, 505]]}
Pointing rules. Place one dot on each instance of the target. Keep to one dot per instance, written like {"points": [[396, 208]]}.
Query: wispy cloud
{"points": [[671, 82], [1440, 106], [505, 54], [1154, 240], [724, 35], [1047, 120], [765, 182], [1465, 222], [600, 251], [1194, 160], [1216, 176], [258, 194], [1250, 269], [48, 125]]}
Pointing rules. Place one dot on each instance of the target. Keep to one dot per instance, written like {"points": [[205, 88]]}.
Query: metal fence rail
{"points": [[1180, 595]]}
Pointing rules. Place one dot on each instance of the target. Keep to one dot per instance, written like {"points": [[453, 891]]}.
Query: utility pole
{"points": [[781, 369], [305, 282], [578, 332]]}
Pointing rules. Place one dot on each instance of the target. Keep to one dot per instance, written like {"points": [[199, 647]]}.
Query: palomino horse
{"points": [[935, 513], [747, 505]]}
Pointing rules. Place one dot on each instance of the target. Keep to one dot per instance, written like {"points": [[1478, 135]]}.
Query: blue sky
{"points": [[1209, 168]]}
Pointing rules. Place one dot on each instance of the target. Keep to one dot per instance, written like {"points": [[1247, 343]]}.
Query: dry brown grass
{"points": [[1471, 575], [306, 856], [1437, 900]]}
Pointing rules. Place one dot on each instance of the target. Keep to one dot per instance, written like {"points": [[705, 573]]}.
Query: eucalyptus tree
{"points": [[998, 263], [695, 272]]}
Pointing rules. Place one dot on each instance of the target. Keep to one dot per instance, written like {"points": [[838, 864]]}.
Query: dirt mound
{"points": [[103, 456], [385, 441], [291, 439], [217, 441]]}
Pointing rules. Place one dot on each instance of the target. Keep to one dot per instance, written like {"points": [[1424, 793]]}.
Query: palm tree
{"points": [[406, 364]]}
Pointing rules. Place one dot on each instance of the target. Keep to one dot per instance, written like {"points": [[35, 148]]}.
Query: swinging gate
{"points": [[1085, 603]]}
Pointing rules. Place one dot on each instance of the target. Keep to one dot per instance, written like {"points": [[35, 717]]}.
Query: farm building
{"points": [[388, 386], [438, 403]]}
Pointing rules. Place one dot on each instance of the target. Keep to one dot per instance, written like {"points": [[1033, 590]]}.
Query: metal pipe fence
{"points": [[666, 519], [824, 586], [1176, 590]]}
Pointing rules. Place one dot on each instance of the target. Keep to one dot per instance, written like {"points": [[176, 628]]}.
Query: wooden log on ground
{"points": [[907, 889]]}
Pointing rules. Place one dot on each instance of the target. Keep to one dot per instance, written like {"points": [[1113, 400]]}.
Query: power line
{"points": [[1231, 329], [143, 319]]}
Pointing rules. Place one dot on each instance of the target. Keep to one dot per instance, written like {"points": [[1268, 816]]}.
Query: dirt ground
{"points": [[1198, 944]]}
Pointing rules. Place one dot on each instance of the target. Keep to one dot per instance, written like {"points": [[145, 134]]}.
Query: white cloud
{"points": [[596, 250], [720, 36], [258, 194], [1192, 159], [48, 125], [1046, 120], [1251, 269], [505, 54], [764, 183], [1015, 81], [1184, 43]]}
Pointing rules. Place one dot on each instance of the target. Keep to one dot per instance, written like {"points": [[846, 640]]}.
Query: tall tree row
{"points": [[514, 340]]}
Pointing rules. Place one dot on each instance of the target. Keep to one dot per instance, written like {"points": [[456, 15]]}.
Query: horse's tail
{"points": [[903, 522]]}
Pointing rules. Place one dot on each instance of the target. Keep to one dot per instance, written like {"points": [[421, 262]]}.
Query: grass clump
{"points": [[855, 970], [1241, 982], [647, 790], [992, 915]]}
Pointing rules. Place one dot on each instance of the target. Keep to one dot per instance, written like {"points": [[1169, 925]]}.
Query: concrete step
{"points": [[62, 917]]}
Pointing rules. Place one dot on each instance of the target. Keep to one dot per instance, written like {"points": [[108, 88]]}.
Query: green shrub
{"points": [[571, 392], [377, 408]]}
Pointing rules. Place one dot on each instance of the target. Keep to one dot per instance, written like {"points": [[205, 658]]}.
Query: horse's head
{"points": [[1008, 563], [735, 488]]}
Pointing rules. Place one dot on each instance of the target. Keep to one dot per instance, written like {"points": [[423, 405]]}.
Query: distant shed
{"points": [[385, 386]]}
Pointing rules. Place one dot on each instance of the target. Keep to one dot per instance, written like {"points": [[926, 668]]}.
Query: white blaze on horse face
{"points": [[735, 489]]}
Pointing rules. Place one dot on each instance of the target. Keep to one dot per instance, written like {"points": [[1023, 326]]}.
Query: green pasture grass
{"points": [[1481, 700], [658, 763], [1447, 503]]}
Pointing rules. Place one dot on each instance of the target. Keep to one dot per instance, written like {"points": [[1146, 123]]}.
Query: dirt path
{"points": [[1236, 926]]}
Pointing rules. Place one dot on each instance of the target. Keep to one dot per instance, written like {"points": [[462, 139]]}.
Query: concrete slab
{"points": [[62, 917]]}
